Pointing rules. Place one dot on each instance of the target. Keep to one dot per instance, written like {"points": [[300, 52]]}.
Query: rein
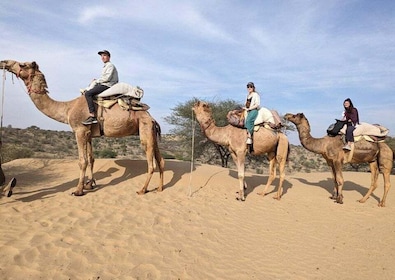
{"points": [[210, 122]]}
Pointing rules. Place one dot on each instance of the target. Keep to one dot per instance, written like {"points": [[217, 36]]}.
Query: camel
{"points": [[378, 154], [266, 141], [114, 122]]}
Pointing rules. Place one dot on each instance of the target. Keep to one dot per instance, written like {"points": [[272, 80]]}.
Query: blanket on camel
{"points": [[265, 116]]}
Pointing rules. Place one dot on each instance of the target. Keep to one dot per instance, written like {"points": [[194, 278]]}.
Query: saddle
{"points": [[369, 132], [127, 103], [128, 97], [266, 118]]}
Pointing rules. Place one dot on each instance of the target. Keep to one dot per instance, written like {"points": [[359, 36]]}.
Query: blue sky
{"points": [[303, 56]]}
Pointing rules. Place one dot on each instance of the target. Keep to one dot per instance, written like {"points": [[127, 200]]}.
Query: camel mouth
{"points": [[4, 64]]}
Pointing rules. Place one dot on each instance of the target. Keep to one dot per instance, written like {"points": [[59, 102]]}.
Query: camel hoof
{"points": [[90, 184], [240, 198], [12, 184], [277, 198], [261, 193], [77, 193], [381, 204], [141, 192]]}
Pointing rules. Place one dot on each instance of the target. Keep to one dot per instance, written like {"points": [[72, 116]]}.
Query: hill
{"points": [[34, 142]]}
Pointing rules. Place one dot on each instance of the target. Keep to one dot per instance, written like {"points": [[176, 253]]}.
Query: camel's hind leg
{"points": [[374, 175], [161, 166], [387, 186], [281, 159], [272, 173], [148, 138], [386, 159]]}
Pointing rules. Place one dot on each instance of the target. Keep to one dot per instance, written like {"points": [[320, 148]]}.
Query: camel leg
{"points": [[281, 162], [150, 164], [339, 181], [91, 181], [386, 159], [281, 159], [374, 175], [82, 137], [335, 186], [161, 165], [239, 160], [387, 186], [272, 173]]}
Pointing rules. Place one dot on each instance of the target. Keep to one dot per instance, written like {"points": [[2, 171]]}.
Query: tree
{"points": [[186, 127]]}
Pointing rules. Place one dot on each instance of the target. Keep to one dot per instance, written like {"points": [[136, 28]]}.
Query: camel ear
{"points": [[34, 65]]}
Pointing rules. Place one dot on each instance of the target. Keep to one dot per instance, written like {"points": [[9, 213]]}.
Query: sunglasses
{"points": [[249, 86]]}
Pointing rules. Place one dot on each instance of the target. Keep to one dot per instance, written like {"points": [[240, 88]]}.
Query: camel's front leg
{"points": [[339, 181], [91, 181], [239, 159], [82, 137], [335, 187], [149, 152]]}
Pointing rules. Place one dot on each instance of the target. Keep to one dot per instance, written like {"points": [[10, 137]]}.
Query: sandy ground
{"points": [[194, 229]]}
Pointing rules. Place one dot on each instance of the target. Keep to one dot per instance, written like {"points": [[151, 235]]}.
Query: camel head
{"points": [[28, 72], [203, 114], [202, 109], [297, 119]]}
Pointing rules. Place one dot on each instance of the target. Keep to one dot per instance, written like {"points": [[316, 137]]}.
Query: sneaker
{"points": [[249, 141], [347, 147], [90, 120]]}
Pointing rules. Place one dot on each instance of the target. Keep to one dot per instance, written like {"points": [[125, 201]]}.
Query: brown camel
{"points": [[377, 154], [266, 141], [116, 122]]}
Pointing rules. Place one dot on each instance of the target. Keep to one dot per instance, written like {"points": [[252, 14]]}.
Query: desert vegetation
{"points": [[33, 142]]}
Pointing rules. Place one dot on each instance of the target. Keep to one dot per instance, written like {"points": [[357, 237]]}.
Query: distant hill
{"points": [[34, 142]]}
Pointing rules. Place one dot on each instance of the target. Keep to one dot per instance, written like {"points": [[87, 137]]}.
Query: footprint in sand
{"points": [[146, 271]]}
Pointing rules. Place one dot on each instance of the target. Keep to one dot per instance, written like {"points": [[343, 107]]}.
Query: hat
{"points": [[251, 84], [104, 52]]}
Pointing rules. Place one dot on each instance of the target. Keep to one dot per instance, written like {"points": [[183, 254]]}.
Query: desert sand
{"points": [[194, 229]]}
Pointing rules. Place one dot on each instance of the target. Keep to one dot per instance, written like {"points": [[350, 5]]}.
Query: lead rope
{"points": [[2, 105], [192, 157], [1, 118]]}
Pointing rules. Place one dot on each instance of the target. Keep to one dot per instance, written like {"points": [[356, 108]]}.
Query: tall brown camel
{"points": [[266, 141], [116, 123], [379, 156]]}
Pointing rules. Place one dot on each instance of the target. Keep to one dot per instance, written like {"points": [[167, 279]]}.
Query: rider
{"points": [[109, 77], [252, 106]]}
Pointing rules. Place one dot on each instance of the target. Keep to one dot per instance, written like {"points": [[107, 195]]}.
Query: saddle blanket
{"points": [[264, 116], [123, 89], [367, 129]]}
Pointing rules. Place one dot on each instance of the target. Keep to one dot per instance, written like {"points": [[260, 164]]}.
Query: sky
{"points": [[303, 55]]}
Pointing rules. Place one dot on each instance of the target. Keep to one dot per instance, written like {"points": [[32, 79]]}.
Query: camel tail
{"points": [[157, 131], [288, 152]]}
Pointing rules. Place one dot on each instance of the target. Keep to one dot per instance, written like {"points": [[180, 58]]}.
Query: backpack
{"points": [[335, 128], [236, 118]]}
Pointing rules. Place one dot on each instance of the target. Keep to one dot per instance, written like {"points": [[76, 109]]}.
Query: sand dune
{"points": [[194, 229]]}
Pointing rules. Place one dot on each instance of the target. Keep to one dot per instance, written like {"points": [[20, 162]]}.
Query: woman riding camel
{"points": [[252, 106]]}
